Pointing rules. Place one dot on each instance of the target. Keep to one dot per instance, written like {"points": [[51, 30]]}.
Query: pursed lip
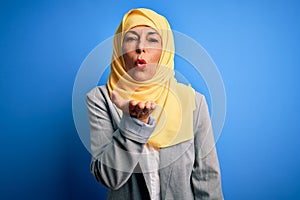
{"points": [[140, 63]]}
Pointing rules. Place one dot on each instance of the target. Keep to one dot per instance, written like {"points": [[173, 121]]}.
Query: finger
{"points": [[153, 105], [132, 105], [147, 110], [142, 114], [148, 105], [133, 113], [140, 105]]}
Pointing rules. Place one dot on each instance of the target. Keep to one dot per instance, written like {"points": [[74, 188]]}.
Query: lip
{"points": [[140, 63]]}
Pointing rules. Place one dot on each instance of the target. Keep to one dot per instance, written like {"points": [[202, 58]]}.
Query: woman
{"points": [[147, 130]]}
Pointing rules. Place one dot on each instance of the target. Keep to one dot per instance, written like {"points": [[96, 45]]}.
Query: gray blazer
{"points": [[189, 170]]}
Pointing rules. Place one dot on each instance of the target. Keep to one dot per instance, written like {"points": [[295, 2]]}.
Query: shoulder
{"points": [[191, 91], [199, 99], [201, 111], [98, 92], [98, 95]]}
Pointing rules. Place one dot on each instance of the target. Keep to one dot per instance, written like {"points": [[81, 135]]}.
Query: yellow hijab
{"points": [[175, 102]]}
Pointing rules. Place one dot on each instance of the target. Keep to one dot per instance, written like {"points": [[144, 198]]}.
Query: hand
{"points": [[139, 110]]}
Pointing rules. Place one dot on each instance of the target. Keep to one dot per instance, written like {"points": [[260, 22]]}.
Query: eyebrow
{"points": [[151, 33], [135, 33]]}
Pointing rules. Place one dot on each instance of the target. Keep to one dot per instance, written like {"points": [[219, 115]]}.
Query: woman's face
{"points": [[142, 48]]}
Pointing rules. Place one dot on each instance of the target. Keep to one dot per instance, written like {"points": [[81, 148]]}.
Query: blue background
{"points": [[255, 45]]}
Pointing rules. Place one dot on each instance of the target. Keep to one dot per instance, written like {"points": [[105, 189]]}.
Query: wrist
{"points": [[145, 120]]}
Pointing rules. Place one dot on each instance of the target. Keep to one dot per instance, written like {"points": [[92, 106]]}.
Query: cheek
{"points": [[127, 61], [156, 56], [155, 60], [126, 50], [126, 58]]}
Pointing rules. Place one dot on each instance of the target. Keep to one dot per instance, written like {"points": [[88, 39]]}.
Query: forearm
{"points": [[114, 163]]}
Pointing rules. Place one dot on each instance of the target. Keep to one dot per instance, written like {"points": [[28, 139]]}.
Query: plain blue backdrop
{"points": [[255, 45]]}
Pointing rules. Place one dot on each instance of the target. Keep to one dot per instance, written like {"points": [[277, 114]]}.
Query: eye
{"points": [[130, 39], [153, 40]]}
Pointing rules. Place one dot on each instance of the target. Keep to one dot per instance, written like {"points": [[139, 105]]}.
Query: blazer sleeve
{"points": [[115, 151], [206, 181]]}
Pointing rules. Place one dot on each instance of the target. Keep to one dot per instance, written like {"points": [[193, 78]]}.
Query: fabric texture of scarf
{"points": [[175, 101]]}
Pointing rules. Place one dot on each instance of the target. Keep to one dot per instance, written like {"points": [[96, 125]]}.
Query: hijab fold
{"points": [[175, 102]]}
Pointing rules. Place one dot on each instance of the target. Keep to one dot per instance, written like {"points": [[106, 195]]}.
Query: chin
{"points": [[140, 76], [141, 79]]}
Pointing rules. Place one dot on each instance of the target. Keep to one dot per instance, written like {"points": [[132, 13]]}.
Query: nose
{"points": [[140, 48]]}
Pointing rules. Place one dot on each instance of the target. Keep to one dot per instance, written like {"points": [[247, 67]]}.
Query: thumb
{"points": [[120, 102]]}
